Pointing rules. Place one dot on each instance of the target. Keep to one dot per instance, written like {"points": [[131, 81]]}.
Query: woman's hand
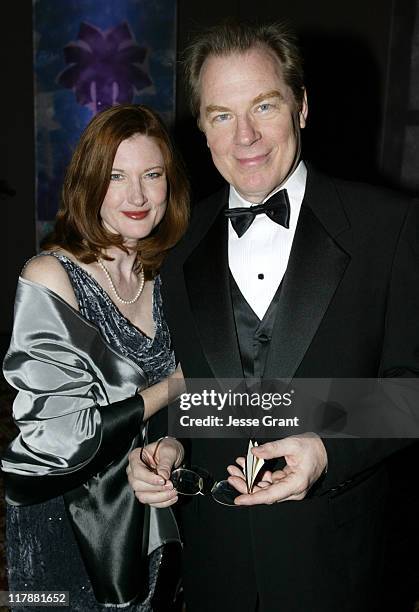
{"points": [[151, 483]]}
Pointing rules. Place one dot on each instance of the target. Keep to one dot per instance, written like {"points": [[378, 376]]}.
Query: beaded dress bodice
{"points": [[154, 355]]}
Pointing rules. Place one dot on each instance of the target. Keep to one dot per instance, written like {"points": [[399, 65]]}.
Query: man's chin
{"points": [[254, 192]]}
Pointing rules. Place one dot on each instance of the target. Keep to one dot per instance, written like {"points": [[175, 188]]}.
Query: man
{"points": [[332, 290]]}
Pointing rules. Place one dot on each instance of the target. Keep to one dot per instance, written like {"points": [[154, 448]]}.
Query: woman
{"points": [[89, 336]]}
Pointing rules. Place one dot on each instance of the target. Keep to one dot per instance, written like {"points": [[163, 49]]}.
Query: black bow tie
{"points": [[277, 208]]}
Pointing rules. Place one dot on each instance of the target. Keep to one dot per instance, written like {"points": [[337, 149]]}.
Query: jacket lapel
{"points": [[207, 280], [316, 266]]}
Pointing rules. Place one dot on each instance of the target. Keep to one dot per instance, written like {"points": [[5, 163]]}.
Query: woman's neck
{"points": [[122, 264]]}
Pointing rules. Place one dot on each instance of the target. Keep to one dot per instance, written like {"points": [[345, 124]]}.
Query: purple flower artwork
{"points": [[105, 67], [89, 56]]}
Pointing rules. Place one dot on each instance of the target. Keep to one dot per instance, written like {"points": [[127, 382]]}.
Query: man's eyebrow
{"points": [[213, 108], [273, 93]]}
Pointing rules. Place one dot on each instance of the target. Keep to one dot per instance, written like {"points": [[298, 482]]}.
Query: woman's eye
{"points": [[153, 175], [116, 176]]}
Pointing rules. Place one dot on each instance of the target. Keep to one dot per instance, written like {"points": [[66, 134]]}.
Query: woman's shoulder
{"points": [[46, 270]]}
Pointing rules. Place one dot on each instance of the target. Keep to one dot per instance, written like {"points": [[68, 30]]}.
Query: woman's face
{"points": [[136, 198]]}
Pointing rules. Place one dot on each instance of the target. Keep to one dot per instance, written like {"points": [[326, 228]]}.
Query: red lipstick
{"points": [[135, 215]]}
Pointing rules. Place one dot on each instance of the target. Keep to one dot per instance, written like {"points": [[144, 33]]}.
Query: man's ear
{"points": [[302, 115]]}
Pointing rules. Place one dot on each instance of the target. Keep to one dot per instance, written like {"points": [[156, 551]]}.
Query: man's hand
{"points": [[153, 486], [306, 460]]}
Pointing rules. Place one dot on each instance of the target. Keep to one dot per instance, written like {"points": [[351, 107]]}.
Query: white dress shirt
{"points": [[259, 258]]}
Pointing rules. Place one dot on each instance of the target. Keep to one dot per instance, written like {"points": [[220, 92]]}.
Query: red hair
{"points": [[78, 227]]}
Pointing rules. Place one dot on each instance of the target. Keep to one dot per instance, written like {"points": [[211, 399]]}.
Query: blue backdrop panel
{"points": [[89, 55]]}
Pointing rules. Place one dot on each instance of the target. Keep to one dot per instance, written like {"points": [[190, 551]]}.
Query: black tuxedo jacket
{"points": [[349, 307]]}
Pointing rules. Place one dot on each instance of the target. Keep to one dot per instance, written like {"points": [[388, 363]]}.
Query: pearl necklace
{"points": [[110, 281]]}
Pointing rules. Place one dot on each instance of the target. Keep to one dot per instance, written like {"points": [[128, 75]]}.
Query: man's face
{"points": [[246, 114]]}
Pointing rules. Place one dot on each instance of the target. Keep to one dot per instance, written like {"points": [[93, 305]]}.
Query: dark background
{"points": [[357, 59], [361, 60]]}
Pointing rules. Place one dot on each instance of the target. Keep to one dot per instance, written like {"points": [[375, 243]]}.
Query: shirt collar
{"points": [[295, 186]]}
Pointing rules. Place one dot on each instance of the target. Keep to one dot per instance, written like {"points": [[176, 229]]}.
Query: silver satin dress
{"points": [[35, 534]]}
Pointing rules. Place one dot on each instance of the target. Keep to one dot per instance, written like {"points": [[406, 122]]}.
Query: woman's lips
{"points": [[136, 215]]}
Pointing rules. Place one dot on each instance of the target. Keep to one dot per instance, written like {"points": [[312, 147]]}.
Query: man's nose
{"points": [[136, 194], [246, 131]]}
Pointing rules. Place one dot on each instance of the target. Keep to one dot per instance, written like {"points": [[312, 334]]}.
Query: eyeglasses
{"points": [[195, 481]]}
